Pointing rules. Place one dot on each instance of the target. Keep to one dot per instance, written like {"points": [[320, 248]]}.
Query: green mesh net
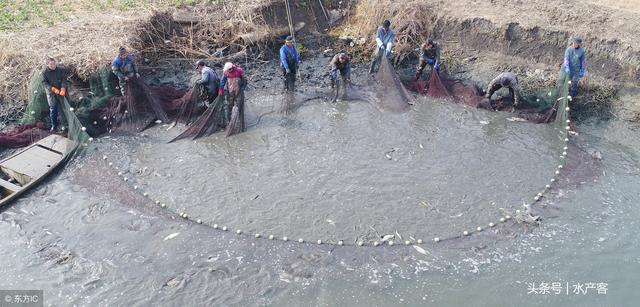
{"points": [[78, 121]]}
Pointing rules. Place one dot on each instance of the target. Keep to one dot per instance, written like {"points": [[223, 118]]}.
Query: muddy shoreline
{"points": [[477, 42]]}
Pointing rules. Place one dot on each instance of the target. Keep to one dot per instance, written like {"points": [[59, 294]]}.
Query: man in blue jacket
{"points": [[289, 60], [384, 40], [124, 67], [573, 65]]}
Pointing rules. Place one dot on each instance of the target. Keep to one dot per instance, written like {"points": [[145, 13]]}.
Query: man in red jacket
{"points": [[233, 78]]}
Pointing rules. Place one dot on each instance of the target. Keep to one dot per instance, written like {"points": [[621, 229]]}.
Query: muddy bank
{"points": [[482, 38]]}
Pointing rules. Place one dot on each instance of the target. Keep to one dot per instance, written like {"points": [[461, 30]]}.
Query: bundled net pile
{"points": [[537, 107], [23, 135]]}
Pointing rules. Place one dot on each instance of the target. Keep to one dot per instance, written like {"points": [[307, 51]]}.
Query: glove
{"points": [[63, 92], [288, 71], [138, 75], [220, 92], [55, 90], [436, 66], [566, 69]]}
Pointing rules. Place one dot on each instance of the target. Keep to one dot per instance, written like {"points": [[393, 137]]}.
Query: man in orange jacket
{"points": [[54, 80]]}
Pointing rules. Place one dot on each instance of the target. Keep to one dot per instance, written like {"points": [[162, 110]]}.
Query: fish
{"points": [[516, 119], [171, 236], [420, 249]]}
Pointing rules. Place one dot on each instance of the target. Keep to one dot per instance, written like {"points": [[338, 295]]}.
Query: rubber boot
{"points": [[574, 88], [373, 66]]}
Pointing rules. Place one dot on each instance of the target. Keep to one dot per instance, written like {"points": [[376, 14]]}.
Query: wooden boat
{"points": [[25, 169]]}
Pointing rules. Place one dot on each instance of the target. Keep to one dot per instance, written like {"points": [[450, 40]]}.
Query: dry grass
{"points": [[409, 20]]}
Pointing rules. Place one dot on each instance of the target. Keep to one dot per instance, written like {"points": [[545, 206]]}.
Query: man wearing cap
{"points": [[124, 67], [430, 55], [340, 63], [384, 40], [508, 80], [208, 80], [289, 61], [233, 78], [54, 80], [573, 65]]}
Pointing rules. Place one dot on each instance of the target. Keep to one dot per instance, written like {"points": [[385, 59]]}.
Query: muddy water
{"points": [[344, 171]]}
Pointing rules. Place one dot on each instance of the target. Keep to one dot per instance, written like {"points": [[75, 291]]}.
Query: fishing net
{"points": [[138, 109], [536, 107], [34, 125], [211, 121], [100, 108], [23, 135], [237, 121], [288, 104], [390, 93], [186, 104]]}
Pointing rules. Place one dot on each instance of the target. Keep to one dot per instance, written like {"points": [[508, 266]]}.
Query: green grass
{"points": [[20, 15]]}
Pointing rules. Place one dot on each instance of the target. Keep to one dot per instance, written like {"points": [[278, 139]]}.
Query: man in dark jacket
{"points": [[54, 80], [289, 60], [340, 63], [508, 80], [430, 55], [208, 80], [124, 67]]}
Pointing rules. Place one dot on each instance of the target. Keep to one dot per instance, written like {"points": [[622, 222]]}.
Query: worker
{"points": [[233, 77], [289, 60], [340, 63], [384, 40], [508, 80], [573, 65], [54, 80], [430, 55], [208, 80], [124, 67]]}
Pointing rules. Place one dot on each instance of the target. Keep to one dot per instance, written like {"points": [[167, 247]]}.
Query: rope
{"points": [[293, 34]]}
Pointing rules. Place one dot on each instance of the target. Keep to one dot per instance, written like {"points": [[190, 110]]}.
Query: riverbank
{"points": [[479, 40]]}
